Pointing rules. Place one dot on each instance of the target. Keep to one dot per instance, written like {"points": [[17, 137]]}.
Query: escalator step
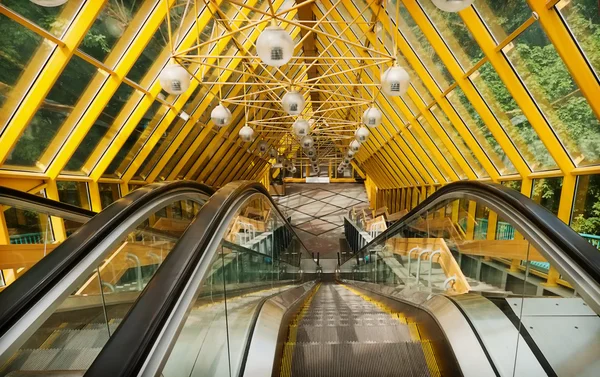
{"points": [[51, 359], [346, 334]]}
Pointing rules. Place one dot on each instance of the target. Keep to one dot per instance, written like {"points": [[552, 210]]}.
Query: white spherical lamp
{"points": [[293, 171], [362, 134], [372, 117], [174, 79], [307, 141], [300, 128], [273, 153], [354, 146], [313, 158], [347, 161], [395, 81], [452, 5], [350, 153], [263, 146], [293, 103], [246, 134], [274, 46], [49, 3], [221, 116], [311, 152]]}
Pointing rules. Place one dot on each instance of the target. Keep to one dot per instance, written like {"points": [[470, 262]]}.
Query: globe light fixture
{"points": [[221, 116], [347, 161], [350, 153], [395, 81], [263, 146], [273, 153], [246, 134], [307, 141], [49, 3], [311, 152], [362, 134], [280, 159], [452, 5], [294, 170], [372, 117], [293, 103], [354, 146], [174, 79], [313, 159], [300, 128], [274, 46]]}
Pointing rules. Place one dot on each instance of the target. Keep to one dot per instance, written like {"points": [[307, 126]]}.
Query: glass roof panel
{"points": [[549, 82], [455, 33], [54, 110], [56, 20], [137, 137], [512, 119], [583, 20], [109, 27], [503, 17], [480, 131], [415, 37], [442, 148], [428, 152], [99, 129], [24, 54], [459, 141], [148, 57]]}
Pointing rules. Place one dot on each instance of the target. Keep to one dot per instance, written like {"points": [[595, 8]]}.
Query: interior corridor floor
{"points": [[317, 212]]}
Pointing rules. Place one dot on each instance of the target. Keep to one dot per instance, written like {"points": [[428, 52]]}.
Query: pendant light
{"points": [[221, 116], [300, 127], [246, 134], [274, 46], [49, 3], [347, 160], [273, 153], [174, 79], [362, 134], [372, 117], [313, 159], [311, 152], [354, 145], [350, 153], [293, 103], [452, 5], [395, 81], [307, 141]]}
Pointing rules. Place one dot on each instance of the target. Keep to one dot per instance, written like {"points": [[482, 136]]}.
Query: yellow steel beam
{"points": [[48, 76], [516, 89], [99, 92], [571, 54]]}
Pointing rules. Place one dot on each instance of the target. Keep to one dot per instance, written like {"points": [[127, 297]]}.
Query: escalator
{"points": [[238, 294]]}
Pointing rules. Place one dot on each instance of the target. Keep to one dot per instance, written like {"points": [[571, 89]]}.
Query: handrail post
{"points": [[437, 252], [409, 257], [419, 264], [138, 270]]}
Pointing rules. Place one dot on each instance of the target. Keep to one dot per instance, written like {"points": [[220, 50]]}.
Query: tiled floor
{"points": [[317, 212]]}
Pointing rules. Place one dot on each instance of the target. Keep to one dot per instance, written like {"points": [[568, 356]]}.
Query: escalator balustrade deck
{"points": [[339, 332]]}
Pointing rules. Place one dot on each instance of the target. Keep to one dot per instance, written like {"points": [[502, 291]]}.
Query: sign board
{"points": [[317, 179]]}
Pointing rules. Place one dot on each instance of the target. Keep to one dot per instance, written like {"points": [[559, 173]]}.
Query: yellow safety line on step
{"points": [[288, 349], [413, 329]]}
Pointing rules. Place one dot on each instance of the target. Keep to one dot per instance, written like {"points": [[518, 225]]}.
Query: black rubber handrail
{"points": [[581, 252], [31, 200], [127, 349], [22, 294]]}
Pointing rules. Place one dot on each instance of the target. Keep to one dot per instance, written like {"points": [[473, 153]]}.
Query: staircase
{"points": [[340, 333]]}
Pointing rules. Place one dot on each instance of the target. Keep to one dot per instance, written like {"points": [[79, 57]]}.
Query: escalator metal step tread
{"points": [[347, 334], [358, 359], [52, 359]]}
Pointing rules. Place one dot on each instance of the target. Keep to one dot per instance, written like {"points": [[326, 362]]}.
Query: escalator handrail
{"points": [[32, 202], [129, 346], [23, 293], [585, 255]]}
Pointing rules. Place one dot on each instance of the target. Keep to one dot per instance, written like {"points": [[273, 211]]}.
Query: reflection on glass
{"points": [[109, 27], [440, 145], [148, 57], [586, 209], [428, 153], [142, 131], [74, 193], [458, 140], [100, 128], [56, 20], [159, 148], [23, 56], [109, 193], [455, 33], [84, 321], [583, 19], [480, 131], [515, 185], [546, 191], [503, 17], [257, 257], [54, 110], [551, 85], [512, 119]]}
